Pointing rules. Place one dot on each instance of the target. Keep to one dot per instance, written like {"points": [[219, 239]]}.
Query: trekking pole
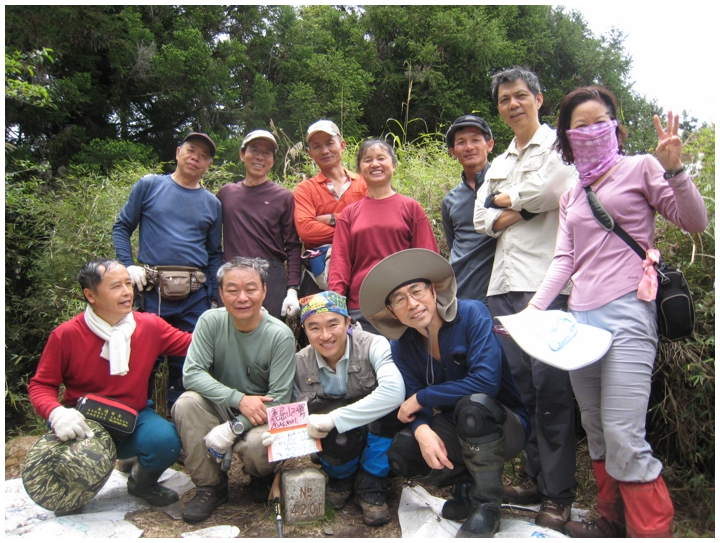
{"points": [[274, 498]]}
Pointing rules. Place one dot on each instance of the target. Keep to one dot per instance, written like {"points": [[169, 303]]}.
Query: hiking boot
{"points": [[338, 491], [373, 514], [259, 488], [553, 515], [525, 493], [458, 507], [594, 528], [143, 484], [206, 500], [370, 492]]}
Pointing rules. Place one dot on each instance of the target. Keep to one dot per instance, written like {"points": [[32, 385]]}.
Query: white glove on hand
{"points": [[220, 440], [69, 424], [137, 276], [290, 305], [268, 439], [319, 426]]}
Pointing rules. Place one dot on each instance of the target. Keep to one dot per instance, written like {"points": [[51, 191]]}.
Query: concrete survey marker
{"points": [[303, 495]]}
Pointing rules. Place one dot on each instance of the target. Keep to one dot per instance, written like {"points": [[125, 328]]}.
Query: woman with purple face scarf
{"points": [[615, 290]]}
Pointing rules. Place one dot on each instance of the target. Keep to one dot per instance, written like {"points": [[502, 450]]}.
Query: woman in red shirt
{"points": [[381, 224]]}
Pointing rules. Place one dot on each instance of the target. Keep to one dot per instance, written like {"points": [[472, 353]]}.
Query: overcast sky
{"points": [[673, 49]]}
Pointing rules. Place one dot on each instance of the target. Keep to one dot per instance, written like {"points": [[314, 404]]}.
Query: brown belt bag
{"points": [[174, 282]]}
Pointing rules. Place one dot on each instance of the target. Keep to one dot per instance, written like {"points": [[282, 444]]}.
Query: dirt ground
{"points": [[258, 520]]}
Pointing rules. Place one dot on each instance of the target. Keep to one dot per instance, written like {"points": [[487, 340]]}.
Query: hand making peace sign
{"points": [[669, 146]]}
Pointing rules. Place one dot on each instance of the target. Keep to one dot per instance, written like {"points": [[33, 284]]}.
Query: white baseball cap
{"points": [[257, 134], [323, 125]]}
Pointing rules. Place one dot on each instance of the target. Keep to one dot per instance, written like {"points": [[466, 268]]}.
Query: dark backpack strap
{"points": [[627, 238]]}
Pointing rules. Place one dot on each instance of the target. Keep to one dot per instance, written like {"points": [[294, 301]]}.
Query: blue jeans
{"points": [[155, 442], [373, 460]]}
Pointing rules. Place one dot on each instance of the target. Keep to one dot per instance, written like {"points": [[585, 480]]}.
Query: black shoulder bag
{"points": [[675, 310]]}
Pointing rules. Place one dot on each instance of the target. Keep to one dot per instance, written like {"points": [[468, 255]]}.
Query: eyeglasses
{"points": [[257, 151], [417, 293]]}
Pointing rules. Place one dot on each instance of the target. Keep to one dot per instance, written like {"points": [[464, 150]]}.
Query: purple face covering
{"points": [[595, 149]]}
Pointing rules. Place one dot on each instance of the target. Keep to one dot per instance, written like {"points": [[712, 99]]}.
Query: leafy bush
{"points": [[107, 154]]}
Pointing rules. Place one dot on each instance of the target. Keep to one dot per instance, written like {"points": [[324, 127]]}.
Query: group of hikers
{"points": [[404, 373]]}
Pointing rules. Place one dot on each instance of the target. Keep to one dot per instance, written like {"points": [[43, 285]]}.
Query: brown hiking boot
{"points": [[594, 528], [553, 515], [525, 493], [206, 500], [373, 514], [338, 491]]}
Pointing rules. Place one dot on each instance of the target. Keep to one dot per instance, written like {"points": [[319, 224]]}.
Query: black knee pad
{"points": [[339, 449], [403, 456], [387, 426], [480, 419]]}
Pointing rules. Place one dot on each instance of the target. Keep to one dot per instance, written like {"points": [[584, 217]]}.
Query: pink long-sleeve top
{"points": [[601, 265]]}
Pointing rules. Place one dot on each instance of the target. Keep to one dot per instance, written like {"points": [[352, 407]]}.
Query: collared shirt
{"points": [[343, 188], [314, 198], [471, 252], [534, 178]]}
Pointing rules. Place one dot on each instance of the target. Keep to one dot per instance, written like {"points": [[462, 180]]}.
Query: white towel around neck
{"points": [[117, 339]]}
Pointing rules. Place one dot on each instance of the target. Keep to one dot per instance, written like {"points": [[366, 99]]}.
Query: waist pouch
{"points": [[317, 263], [116, 417], [174, 282]]}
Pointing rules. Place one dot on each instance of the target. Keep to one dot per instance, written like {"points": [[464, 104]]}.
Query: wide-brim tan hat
{"points": [[398, 269]]}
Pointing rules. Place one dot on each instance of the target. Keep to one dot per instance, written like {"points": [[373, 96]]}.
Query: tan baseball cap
{"points": [[323, 125], [257, 134]]}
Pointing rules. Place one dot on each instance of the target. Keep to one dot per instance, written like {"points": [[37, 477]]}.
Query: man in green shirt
{"points": [[240, 361]]}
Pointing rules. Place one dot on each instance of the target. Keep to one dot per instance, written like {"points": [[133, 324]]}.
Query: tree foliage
{"points": [[148, 74]]}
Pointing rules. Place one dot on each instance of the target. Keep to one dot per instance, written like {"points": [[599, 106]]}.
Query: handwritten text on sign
{"points": [[289, 425]]}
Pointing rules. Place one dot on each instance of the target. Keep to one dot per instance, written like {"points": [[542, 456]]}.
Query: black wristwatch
{"points": [[332, 219], [237, 426], [673, 173]]}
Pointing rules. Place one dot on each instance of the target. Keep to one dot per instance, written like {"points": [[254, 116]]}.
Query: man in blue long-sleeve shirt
{"points": [[465, 413], [180, 225]]}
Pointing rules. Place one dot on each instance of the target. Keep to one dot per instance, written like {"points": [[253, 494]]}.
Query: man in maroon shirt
{"points": [[258, 223], [109, 350]]}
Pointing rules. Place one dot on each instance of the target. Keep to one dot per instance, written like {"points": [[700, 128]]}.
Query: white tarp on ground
{"points": [[419, 515], [103, 516]]}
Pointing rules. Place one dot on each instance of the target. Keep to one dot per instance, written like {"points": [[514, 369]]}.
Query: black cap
{"points": [[464, 122], [204, 137]]}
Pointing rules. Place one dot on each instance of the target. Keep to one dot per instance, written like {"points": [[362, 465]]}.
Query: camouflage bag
{"points": [[62, 476]]}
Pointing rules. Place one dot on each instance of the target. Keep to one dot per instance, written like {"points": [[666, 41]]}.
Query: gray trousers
{"points": [[613, 393], [548, 396], [194, 417]]}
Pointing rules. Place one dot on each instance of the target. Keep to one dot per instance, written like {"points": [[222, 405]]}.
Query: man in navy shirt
{"points": [[180, 225], [465, 414]]}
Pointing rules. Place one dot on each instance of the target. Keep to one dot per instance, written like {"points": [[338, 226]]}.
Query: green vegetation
{"points": [[98, 96]]}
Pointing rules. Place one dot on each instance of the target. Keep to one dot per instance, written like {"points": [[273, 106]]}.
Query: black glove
{"points": [[526, 215], [490, 200]]}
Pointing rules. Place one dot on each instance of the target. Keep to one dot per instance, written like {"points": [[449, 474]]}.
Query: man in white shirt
{"points": [[518, 204]]}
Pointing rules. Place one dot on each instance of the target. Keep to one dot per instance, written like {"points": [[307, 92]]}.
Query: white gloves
{"points": [[290, 305], [137, 276], [319, 426], [69, 424], [268, 439], [220, 440]]}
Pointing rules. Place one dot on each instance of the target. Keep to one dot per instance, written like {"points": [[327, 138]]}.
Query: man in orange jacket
{"points": [[320, 199]]}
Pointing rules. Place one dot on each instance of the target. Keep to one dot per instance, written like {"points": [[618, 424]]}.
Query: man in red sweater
{"points": [[109, 350], [320, 199]]}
